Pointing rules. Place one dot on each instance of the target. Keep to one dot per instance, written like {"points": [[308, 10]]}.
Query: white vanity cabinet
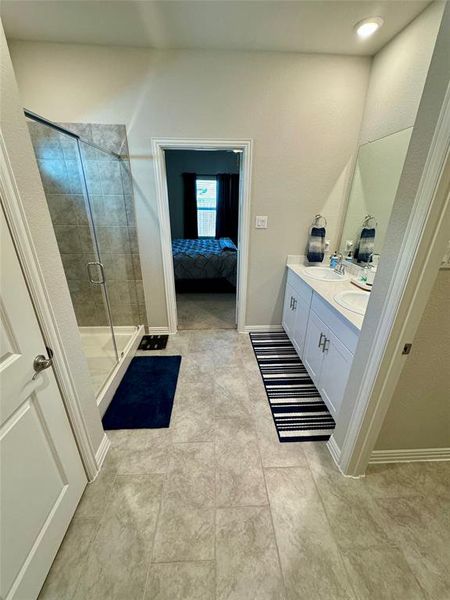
{"points": [[297, 301], [289, 310], [323, 338], [328, 362], [337, 361], [315, 339]]}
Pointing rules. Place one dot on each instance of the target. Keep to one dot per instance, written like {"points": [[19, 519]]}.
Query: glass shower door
{"points": [[62, 172], [109, 188]]}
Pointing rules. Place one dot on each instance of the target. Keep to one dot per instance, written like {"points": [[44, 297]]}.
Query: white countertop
{"points": [[327, 290]]}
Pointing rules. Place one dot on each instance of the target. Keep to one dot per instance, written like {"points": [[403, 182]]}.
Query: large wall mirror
{"points": [[372, 194]]}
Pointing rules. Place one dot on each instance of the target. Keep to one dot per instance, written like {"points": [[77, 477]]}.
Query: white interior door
{"points": [[42, 477]]}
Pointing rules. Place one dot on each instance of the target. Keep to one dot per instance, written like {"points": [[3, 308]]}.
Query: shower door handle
{"points": [[89, 266]]}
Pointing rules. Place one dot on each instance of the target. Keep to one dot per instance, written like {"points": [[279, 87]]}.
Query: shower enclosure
{"points": [[87, 182]]}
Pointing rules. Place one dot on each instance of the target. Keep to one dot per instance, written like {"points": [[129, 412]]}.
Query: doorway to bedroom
{"points": [[203, 192]]}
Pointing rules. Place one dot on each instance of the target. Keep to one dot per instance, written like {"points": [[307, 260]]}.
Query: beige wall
{"points": [[398, 75], [302, 111], [18, 145], [419, 414], [429, 109], [397, 78]]}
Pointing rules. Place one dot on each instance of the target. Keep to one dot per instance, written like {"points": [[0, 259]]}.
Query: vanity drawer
{"points": [[341, 328], [301, 288]]}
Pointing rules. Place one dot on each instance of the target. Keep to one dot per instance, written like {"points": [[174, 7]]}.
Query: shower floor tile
{"points": [[99, 351]]}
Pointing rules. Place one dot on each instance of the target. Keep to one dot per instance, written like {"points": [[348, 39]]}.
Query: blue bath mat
{"points": [[144, 398]]}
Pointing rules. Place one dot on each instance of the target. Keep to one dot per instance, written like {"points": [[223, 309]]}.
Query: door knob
{"points": [[41, 363]]}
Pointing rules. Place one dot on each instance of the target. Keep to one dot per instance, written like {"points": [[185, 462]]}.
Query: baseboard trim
{"points": [[157, 330], [335, 452], [101, 453], [257, 328], [414, 455]]}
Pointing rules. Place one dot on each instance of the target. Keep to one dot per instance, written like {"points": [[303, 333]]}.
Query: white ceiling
{"points": [[269, 25]]}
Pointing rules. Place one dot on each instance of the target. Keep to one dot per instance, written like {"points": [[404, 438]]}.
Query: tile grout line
{"points": [[268, 501], [182, 562], [275, 537], [215, 488], [151, 561], [339, 548], [96, 532], [341, 557]]}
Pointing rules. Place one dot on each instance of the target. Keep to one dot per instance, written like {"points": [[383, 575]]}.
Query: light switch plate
{"points": [[261, 222], [445, 264]]}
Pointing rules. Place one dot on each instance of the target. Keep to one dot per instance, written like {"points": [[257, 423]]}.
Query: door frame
{"points": [[29, 261], [415, 271], [159, 145]]}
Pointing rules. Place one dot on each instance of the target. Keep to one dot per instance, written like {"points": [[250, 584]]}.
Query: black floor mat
{"points": [[299, 413], [153, 342]]}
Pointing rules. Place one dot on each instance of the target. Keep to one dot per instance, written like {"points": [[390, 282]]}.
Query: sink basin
{"points": [[324, 274], [354, 301]]}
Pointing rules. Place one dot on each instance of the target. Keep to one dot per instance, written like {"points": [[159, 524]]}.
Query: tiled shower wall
{"points": [[110, 190]]}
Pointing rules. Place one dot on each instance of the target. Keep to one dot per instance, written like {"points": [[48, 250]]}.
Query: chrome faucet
{"points": [[340, 267]]}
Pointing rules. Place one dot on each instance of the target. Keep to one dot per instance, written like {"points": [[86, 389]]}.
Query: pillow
{"points": [[227, 245]]}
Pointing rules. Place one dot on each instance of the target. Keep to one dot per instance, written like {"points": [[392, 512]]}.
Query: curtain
{"points": [[190, 206], [227, 206]]}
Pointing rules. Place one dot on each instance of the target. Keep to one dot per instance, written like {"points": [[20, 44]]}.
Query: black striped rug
{"points": [[299, 413]]}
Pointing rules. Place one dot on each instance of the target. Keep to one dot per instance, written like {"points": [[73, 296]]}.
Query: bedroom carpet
{"points": [[206, 311]]}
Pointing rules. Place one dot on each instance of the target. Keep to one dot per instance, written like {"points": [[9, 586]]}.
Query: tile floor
{"points": [[206, 311], [216, 508]]}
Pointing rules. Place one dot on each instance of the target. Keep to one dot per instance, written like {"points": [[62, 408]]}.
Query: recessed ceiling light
{"points": [[367, 27], [237, 150]]}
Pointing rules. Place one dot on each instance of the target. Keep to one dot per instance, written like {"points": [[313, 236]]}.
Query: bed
{"points": [[205, 259]]}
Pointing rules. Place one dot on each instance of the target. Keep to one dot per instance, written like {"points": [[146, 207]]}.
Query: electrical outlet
{"points": [[261, 222]]}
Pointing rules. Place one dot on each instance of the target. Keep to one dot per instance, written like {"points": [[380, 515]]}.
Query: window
{"points": [[206, 207]]}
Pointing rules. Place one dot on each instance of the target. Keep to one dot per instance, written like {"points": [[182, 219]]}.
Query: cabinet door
{"points": [[288, 311], [301, 310], [313, 354], [335, 371]]}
